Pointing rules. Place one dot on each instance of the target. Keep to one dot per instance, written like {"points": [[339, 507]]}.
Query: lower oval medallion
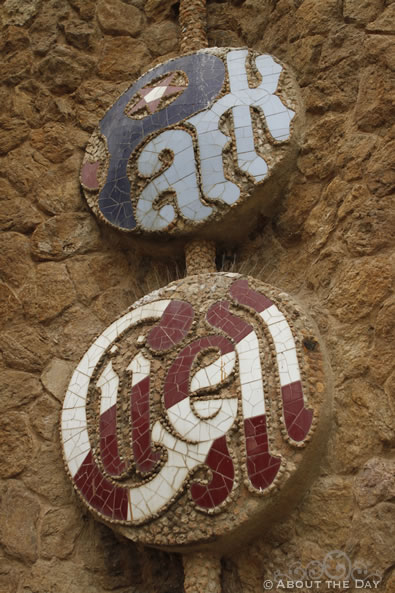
{"points": [[197, 413]]}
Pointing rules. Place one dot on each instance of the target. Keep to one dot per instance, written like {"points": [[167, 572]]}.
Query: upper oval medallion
{"points": [[199, 139]]}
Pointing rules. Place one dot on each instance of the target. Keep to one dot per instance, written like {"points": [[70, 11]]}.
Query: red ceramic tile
{"points": [[144, 456], [173, 326], [99, 492], [219, 316], [244, 295], [297, 417], [120, 508], [89, 175], [219, 461], [108, 443], [292, 391], [176, 386], [262, 467]]}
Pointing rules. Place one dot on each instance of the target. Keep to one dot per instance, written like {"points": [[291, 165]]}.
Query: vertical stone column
{"points": [[202, 573], [193, 25], [200, 257]]}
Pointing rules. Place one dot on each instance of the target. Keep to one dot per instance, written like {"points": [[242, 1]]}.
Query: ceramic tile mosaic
{"points": [[175, 405], [163, 142]]}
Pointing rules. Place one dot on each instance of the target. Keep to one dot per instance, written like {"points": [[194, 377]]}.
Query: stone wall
{"points": [[63, 278]]}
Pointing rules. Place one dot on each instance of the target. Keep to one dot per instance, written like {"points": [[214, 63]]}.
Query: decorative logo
{"points": [[157, 95], [335, 572], [177, 397], [189, 140]]}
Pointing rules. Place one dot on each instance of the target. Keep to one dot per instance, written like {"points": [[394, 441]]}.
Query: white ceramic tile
{"points": [[200, 380], [205, 121], [139, 506], [72, 399], [278, 124], [76, 452], [267, 66], [281, 335], [214, 373], [184, 165], [103, 341], [190, 427], [238, 82], [75, 464], [256, 167], [288, 363], [214, 183], [167, 213], [173, 473], [148, 163], [270, 82], [272, 315], [180, 176], [141, 368], [108, 383], [245, 145], [219, 109], [285, 378], [237, 55], [253, 399], [79, 383], [70, 433], [206, 408], [150, 310], [74, 416], [156, 93]]}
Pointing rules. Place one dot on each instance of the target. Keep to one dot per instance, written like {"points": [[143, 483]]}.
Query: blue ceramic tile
{"points": [[123, 133]]}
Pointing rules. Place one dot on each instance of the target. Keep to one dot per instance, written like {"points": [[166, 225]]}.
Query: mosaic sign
{"points": [[190, 141], [186, 412]]}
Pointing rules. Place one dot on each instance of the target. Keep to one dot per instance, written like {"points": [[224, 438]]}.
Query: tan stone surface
{"points": [[56, 376], [375, 483], [19, 12], [93, 274], [64, 235], [167, 31], [54, 487], [117, 18], [158, 9], [12, 134], [385, 22], [51, 293], [80, 35], [122, 59], [10, 304], [62, 65], [17, 214], [25, 347], [202, 572], [111, 301], [45, 414], [18, 530], [16, 266], [362, 11], [18, 389], [382, 351], [52, 142], [59, 530], [63, 69], [15, 445], [359, 287]]}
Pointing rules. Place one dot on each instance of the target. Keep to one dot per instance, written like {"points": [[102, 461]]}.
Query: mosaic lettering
{"points": [[165, 159], [163, 392]]}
